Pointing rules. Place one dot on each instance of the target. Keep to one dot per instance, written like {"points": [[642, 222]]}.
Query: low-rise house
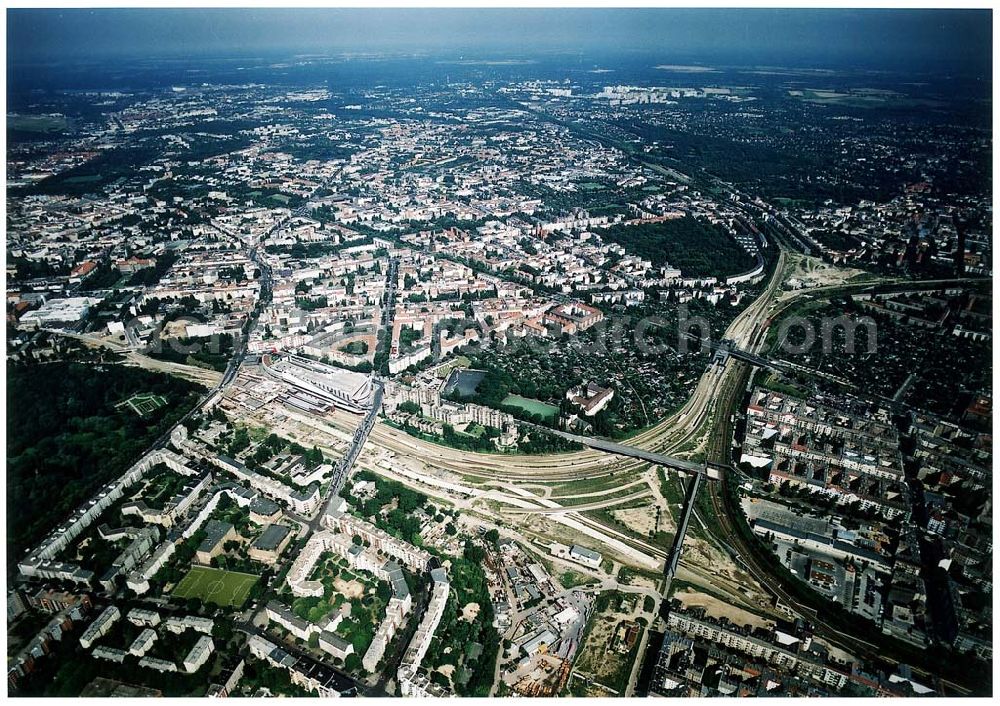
{"points": [[587, 557]]}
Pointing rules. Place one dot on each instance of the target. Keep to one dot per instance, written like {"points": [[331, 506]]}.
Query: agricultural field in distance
{"points": [[37, 123]]}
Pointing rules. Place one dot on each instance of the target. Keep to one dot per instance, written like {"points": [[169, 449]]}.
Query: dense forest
{"points": [[204, 351], [312, 251], [151, 275], [697, 247], [92, 176], [66, 437], [399, 521], [778, 169]]}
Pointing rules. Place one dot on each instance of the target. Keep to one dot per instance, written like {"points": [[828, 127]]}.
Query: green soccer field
{"points": [[223, 588]]}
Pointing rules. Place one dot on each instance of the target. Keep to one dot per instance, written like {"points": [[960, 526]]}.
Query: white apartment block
{"points": [[143, 617], [410, 556], [199, 654], [100, 626], [421, 640]]}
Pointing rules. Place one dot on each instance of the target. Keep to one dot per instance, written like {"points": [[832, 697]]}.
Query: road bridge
{"points": [[611, 447], [346, 463], [753, 359], [674, 558]]}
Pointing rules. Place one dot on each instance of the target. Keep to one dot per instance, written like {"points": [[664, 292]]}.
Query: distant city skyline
{"points": [[942, 41]]}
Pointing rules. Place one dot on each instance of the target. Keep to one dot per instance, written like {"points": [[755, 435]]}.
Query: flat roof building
{"points": [[269, 545], [216, 535], [263, 511], [585, 556], [100, 626], [143, 641], [141, 616]]}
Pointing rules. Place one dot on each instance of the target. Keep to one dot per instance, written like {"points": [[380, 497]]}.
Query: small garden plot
{"points": [[143, 403]]}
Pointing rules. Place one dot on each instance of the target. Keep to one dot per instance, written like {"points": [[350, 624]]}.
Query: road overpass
{"points": [[611, 447], [346, 463], [674, 558], [753, 359]]}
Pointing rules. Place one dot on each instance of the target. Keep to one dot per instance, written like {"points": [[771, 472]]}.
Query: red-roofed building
{"points": [[82, 271], [134, 264]]}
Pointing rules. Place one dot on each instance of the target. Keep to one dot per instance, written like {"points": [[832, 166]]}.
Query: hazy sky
{"points": [[950, 40]]}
